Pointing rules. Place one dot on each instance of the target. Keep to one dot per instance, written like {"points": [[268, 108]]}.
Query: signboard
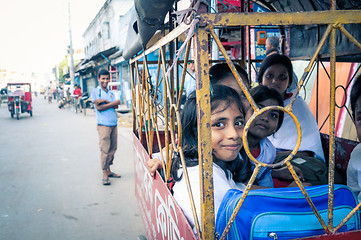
{"points": [[162, 217]]}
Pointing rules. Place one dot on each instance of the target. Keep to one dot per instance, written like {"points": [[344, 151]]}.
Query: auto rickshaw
{"points": [[19, 99]]}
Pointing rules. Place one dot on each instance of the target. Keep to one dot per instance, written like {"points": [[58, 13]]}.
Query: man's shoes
{"points": [[106, 181], [114, 175]]}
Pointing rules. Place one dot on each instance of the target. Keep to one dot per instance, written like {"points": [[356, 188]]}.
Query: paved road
{"points": [[50, 179]]}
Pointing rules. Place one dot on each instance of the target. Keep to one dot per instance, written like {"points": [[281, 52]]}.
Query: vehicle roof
{"points": [[304, 39]]}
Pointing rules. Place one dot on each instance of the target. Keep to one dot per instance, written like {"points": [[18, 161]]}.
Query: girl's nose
{"points": [[233, 133], [264, 116]]}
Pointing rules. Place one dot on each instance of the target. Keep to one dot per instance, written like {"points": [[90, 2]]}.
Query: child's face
{"points": [[276, 77], [358, 117], [266, 123], [227, 128]]}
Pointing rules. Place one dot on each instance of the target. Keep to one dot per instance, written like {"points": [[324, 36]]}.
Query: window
{"points": [[106, 30]]}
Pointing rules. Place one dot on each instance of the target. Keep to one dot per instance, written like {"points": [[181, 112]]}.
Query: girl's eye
{"points": [[269, 76], [239, 123], [283, 77], [274, 115], [218, 124]]}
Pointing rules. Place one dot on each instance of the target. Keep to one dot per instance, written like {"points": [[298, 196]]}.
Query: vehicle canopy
{"points": [[18, 89]]}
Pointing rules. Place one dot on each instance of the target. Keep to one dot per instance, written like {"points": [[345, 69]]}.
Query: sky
{"points": [[35, 33]]}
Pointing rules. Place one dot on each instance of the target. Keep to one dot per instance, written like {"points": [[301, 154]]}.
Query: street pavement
{"points": [[50, 178]]}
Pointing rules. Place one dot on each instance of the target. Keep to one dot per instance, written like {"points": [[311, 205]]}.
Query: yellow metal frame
{"points": [[148, 116]]}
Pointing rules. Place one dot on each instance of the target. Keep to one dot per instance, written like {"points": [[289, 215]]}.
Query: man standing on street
{"points": [[105, 104]]}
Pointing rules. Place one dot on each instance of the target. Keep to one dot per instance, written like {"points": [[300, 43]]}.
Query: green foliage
{"points": [[61, 67]]}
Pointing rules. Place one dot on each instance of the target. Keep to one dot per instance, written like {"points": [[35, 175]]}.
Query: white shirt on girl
{"points": [[267, 155], [286, 137], [221, 186]]}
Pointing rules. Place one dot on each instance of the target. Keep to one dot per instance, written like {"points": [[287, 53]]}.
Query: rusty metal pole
{"points": [[133, 84], [331, 165], [204, 134]]}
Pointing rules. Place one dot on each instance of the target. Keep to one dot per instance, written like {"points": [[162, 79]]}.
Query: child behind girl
{"points": [[262, 127], [227, 123], [221, 74], [354, 165], [276, 72]]}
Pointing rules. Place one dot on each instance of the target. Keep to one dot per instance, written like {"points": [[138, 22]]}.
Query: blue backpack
{"points": [[284, 213]]}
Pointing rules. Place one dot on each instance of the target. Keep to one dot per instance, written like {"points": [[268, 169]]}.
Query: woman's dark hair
{"points": [[355, 94], [103, 72], [220, 94], [220, 71], [262, 93], [273, 60]]}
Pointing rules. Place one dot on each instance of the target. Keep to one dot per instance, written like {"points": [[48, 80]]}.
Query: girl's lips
{"points": [[261, 126], [233, 147]]}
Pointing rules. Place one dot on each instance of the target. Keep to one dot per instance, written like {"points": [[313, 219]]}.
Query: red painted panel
{"points": [[162, 217]]}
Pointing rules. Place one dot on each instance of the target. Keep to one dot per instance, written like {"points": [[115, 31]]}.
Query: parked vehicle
{"points": [[86, 102], [19, 99], [63, 102], [4, 95]]}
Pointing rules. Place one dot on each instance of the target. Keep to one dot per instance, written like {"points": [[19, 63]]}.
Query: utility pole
{"points": [[71, 49], [215, 51]]}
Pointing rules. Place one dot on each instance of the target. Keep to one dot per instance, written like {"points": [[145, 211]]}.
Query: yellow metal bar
{"points": [[132, 69], [204, 133], [164, 166], [184, 73], [164, 40], [300, 185], [172, 113], [331, 165], [353, 212], [190, 194], [158, 73], [309, 66], [166, 116], [349, 36], [287, 161], [240, 202], [233, 69], [139, 103], [150, 127], [270, 18], [248, 124]]}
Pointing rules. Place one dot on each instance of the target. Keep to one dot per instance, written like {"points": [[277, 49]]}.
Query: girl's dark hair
{"points": [[220, 71], [220, 94], [273, 60], [355, 94], [262, 93]]}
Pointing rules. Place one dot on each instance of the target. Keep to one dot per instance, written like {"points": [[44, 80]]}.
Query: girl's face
{"points": [[276, 77], [358, 117], [227, 128], [266, 123]]}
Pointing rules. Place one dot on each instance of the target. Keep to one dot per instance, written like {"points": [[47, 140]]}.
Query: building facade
{"points": [[103, 42]]}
